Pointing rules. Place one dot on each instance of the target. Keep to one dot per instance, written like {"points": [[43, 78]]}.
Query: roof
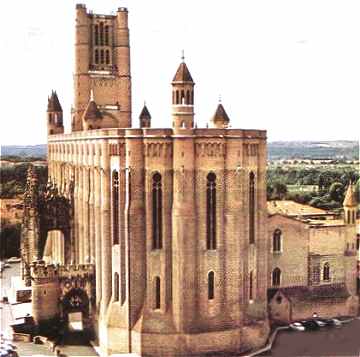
{"points": [[220, 114], [291, 208], [311, 293], [54, 103], [145, 113], [350, 199], [92, 111], [182, 74]]}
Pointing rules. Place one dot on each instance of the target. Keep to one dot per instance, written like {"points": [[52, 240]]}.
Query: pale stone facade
{"points": [[312, 262], [174, 221]]}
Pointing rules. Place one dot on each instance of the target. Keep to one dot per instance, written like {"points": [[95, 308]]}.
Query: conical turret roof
{"points": [[182, 74], [54, 103], [92, 111], [145, 114], [220, 115], [350, 199]]}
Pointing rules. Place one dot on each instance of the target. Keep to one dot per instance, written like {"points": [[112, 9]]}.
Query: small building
{"points": [[312, 261]]}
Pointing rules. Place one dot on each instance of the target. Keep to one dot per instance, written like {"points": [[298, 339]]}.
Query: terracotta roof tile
{"points": [[182, 74], [54, 103]]}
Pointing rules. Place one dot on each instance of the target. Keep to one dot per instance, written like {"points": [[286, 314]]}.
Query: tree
{"points": [[336, 192]]}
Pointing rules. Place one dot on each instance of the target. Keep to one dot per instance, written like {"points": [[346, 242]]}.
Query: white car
{"points": [[13, 260], [297, 326]]}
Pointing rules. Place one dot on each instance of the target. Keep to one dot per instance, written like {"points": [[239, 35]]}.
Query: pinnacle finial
{"points": [[183, 55], [219, 98]]}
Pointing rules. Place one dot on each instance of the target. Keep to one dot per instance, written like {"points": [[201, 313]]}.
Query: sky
{"points": [[290, 67]]}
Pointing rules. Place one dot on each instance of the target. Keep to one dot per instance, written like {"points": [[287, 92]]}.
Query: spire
{"points": [[220, 118], [145, 117], [92, 111], [54, 103], [183, 74], [350, 199]]}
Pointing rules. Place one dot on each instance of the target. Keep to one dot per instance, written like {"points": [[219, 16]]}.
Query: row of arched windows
{"points": [[276, 274], [101, 35], [183, 97], [102, 56]]}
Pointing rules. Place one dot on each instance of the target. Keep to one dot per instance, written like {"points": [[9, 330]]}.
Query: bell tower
{"points": [[183, 98], [350, 205], [102, 65], [54, 115]]}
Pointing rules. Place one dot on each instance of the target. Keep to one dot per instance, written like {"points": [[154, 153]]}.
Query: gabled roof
{"points": [[220, 115], [145, 114], [54, 103], [92, 111], [350, 199], [183, 74]]}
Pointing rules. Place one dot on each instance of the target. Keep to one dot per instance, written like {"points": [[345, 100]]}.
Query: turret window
{"points": [[157, 293], [277, 241], [211, 285], [188, 97], [107, 57], [96, 35], [326, 272], [177, 98], [157, 211], [252, 208], [116, 287], [211, 211], [106, 35], [115, 206], [182, 97], [276, 277]]}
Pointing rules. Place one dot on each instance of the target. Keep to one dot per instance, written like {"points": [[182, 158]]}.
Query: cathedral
{"points": [[157, 236]]}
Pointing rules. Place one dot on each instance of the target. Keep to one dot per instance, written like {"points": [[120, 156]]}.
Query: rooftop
{"points": [[292, 209]]}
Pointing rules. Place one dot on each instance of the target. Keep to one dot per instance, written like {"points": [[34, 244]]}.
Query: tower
{"points": [[145, 118], [183, 98], [102, 65], [92, 116], [220, 119], [54, 115], [349, 205]]}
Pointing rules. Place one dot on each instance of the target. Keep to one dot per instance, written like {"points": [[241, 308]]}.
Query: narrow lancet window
{"points": [[115, 206], [96, 56], [106, 35], [157, 211], [211, 285], [277, 240], [101, 34], [107, 57], [211, 211], [96, 35], [276, 276], [102, 56], [252, 208], [116, 287], [157, 293], [326, 272], [251, 286]]}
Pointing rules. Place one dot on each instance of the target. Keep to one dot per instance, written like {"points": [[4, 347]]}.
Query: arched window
{"points": [[106, 35], [50, 118], [157, 293], [211, 285], [96, 35], [107, 57], [102, 56], [157, 211], [115, 206], [252, 208], [96, 56], [182, 97], [326, 271], [251, 286], [116, 287], [192, 97], [348, 217], [277, 240], [211, 211], [353, 217], [276, 277], [177, 97], [101, 34], [188, 97]]}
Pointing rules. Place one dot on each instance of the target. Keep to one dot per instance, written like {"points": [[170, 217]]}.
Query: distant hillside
{"points": [[24, 151], [340, 149]]}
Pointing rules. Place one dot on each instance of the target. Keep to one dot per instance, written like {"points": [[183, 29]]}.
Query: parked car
{"points": [[297, 326], [13, 260], [310, 325], [332, 322], [319, 322]]}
